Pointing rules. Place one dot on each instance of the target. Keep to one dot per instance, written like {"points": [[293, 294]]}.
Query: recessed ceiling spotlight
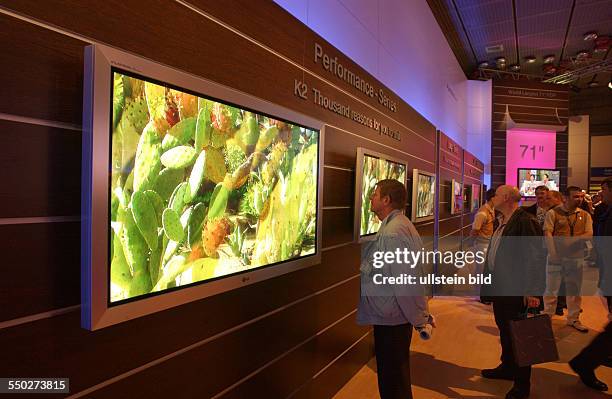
{"points": [[530, 59], [590, 36], [549, 59], [515, 67], [610, 85], [483, 64], [582, 54]]}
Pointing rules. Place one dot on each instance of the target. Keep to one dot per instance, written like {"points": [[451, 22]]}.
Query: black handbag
{"points": [[533, 341]]}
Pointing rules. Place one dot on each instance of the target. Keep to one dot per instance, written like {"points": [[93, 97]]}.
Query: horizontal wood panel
{"points": [[338, 374], [58, 346], [337, 226], [273, 336], [338, 188], [341, 150], [529, 84], [530, 94], [471, 180], [529, 102], [470, 160], [296, 41], [297, 368], [46, 78], [265, 75], [538, 119], [426, 231], [449, 225], [42, 170], [450, 146], [41, 268], [519, 110]]}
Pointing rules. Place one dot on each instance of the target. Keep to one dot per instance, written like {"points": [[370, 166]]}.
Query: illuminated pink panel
{"points": [[529, 149]]}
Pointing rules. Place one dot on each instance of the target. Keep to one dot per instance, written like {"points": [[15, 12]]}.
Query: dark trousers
{"points": [[506, 309], [392, 347], [597, 351]]}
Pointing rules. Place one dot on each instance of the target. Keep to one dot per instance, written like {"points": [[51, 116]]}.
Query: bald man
{"points": [[518, 277]]}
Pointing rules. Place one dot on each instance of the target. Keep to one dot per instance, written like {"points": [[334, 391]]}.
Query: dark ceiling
{"points": [[527, 28]]}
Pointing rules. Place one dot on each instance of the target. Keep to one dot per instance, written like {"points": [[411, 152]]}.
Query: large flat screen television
{"points": [[423, 195], [190, 188], [456, 197], [372, 167], [529, 179]]}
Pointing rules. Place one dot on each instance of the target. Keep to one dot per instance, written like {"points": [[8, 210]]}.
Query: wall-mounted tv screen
{"points": [[189, 188], [529, 179], [423, 195], [467, 198], [372, 167], [456, 197], [476, 197]]}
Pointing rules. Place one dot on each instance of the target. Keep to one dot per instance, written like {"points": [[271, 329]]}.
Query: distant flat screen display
{"points": [[467, 197], [530, 179], [423, 195], [374, 170], [475, 201], [456, 197], [201, 189]]}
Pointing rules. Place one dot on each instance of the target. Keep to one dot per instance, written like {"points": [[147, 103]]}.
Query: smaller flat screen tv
{"points": [[423, 195], [467, 198], [529, 179], [456, 197], [372, 167], [476, 197]]}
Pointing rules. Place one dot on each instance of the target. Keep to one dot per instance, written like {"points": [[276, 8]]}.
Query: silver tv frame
{"points": [[96, 309], [479, 197], [361, 153], [415, 178], [453, 201]]}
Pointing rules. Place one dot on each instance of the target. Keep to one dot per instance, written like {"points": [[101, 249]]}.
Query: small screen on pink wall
{"points": [[529, 149]]}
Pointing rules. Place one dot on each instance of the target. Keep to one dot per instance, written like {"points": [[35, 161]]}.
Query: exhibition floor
{"points": [[466, 340]]}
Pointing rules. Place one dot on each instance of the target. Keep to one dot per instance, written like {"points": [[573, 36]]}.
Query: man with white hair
{"points": [[518, 275]]}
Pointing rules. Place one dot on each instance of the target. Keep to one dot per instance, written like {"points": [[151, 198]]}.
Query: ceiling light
{"points": [[549, 69], [582, 54], [530, 59], [593, 83], [500, 60], [602, 44], [549, 59], [515, 67], [483, 64], [590, 36], [610, 85]]}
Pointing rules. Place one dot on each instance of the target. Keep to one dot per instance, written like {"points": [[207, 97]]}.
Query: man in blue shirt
{"points": [[393, 309]]}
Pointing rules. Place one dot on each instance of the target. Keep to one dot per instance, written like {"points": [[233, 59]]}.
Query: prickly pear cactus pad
{"points": [[375, 170], [200, 189]]}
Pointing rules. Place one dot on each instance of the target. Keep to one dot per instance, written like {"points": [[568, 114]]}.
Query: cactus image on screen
{"points": [[374, 170], [200, 189], [425, 195]]}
